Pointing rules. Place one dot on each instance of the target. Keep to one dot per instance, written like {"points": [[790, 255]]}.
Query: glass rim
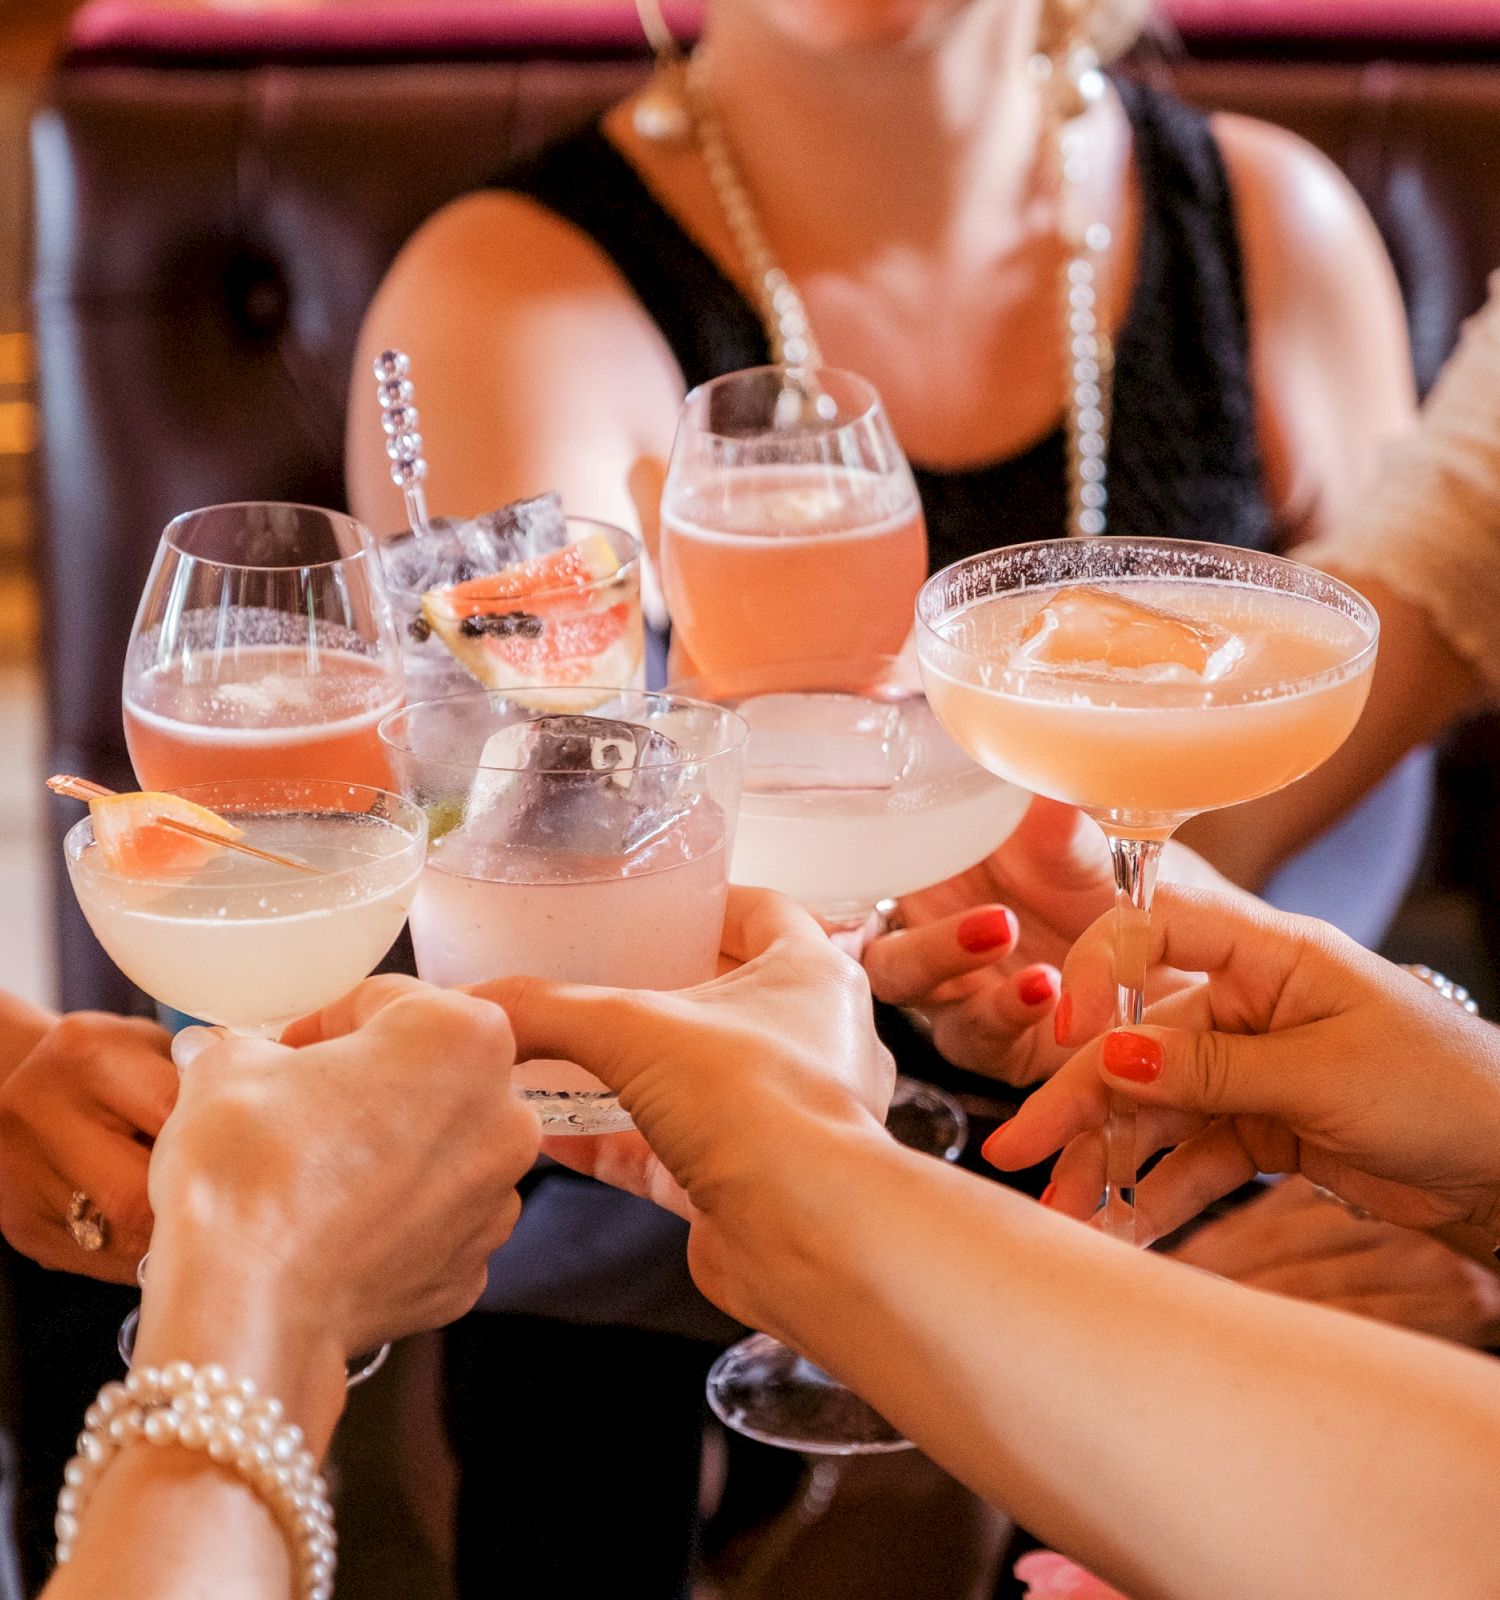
{"points": [[926, 630], [871, 407], [737, 730], [631, 563], [73, 853], [696, 686], [366, 547]]}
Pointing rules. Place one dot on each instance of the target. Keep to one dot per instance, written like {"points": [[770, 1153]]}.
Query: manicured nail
{"points": [[986, 930], [1047, 1194], [1133, 1056], [1035, 989], [988, 1148], [1061, 1018]]}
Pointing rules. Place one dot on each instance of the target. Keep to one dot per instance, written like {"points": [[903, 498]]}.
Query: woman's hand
{"points": [[724, 1081], [78, 1114], [1296, 1241], [1303, 1053], [312, 1203], [988, 984]]}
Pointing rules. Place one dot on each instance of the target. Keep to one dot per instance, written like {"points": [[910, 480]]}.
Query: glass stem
{"points": [[1135, 864]]}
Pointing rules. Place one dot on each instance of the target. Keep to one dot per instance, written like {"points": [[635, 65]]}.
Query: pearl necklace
{"points": [[1087, 344]]}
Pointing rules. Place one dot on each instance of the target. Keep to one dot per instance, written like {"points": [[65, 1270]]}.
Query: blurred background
{"points": [[30, 31]]}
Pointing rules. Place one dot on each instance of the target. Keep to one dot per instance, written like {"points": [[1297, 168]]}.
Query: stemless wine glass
{"points": [[590, 849], [249, 942], [852, 794], [263, 647], [1144, 681], [790, 524]]}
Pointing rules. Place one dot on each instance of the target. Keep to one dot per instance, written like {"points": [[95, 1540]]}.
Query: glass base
{"points": [[770, 1393], [569, 1111]]}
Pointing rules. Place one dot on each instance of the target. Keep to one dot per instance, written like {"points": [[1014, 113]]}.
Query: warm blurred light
{"points": [[17, 427], [15, 358]]}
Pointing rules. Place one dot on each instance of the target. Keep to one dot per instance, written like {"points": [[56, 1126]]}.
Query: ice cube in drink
{"points": [[1098, 633]]}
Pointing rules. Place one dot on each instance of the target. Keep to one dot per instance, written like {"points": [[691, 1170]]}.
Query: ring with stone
{"points": [[86, 1223]]}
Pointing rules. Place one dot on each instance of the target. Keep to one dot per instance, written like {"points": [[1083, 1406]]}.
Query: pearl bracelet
{"points": [[203, 1408]]}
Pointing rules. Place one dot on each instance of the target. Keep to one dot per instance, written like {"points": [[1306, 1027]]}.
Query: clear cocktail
{"points": [[243, 942], [1145, 680], [588, 848], [522, 598], [853, 793], [790, 525]]}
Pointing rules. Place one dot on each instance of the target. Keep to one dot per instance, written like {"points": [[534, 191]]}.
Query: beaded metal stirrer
{"points": [[403, 444]]}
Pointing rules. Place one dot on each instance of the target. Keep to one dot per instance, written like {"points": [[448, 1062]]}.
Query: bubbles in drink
{"points": [[1094, 632]]}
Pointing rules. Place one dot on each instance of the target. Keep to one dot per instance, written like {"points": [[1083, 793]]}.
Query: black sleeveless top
{"points": [[1184, 459]]}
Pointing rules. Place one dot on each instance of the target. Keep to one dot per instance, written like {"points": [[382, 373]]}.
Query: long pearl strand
{"points": [[1086, 343]]}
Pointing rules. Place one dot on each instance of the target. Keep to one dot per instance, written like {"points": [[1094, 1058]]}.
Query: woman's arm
{"points": [[534, 366], [1095, 1392], [310, 1204], [1092, 1390]]}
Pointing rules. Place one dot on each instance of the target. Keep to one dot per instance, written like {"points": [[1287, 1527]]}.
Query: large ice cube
{"points": [[823, 741], [590, 786], [458, 549], [1100, 633]]}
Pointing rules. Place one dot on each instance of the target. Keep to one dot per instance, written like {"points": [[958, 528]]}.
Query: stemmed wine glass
{"points": [[790, 523], [263, 647], [852, 794], [249, 942], [1144, 681]]}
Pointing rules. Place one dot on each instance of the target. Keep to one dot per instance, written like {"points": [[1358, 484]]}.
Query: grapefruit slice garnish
{"points": [[133, 834], [536, 626]]}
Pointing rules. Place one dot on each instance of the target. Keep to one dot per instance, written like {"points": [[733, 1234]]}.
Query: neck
{"points": [[912, 141]]}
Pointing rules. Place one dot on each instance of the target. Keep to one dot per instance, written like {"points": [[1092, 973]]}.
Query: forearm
{"points": [[168, 1523], [1094, 1392], [1421, 685]]}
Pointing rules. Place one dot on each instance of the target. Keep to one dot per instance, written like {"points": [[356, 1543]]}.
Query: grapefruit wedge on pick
{"points": [[551, 623], [131, 834]]}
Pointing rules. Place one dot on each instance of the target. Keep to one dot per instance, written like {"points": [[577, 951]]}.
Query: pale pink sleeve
{"points": [[1430, 528]]}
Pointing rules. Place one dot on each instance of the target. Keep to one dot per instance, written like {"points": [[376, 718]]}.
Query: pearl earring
{"points": [[662, 114]]}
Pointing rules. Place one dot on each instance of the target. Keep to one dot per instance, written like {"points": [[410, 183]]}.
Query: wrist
{"points": [[206, 1302], [781, 1215]]}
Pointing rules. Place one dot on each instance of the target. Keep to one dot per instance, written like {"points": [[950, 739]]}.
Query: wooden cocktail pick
{"points": [[81, 789]]}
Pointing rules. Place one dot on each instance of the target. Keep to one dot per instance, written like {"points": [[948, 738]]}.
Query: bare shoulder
{"points": [[525, 341], [1330, 359], [497, 245], [1297, 212]]}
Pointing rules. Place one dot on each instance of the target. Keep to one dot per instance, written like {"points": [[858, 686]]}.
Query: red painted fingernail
{"points": [[987, 1149], [1035, 988], [1061, 1018], [1133, 1056], [1047, 1193], [986, 930]]}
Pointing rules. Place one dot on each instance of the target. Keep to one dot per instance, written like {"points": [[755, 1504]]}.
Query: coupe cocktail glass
{"points": [[580, 633], [852, 794], [790, 524], [248, 944], [590, 849], [263, 648], [1145, 681]]}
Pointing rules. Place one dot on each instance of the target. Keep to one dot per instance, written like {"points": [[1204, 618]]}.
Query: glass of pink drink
{"points": [[790, 525], [1145, 681], [585, 848], [263, 647]]}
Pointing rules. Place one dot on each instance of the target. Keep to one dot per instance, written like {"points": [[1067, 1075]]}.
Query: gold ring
{"points": [[86, 1223]]}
